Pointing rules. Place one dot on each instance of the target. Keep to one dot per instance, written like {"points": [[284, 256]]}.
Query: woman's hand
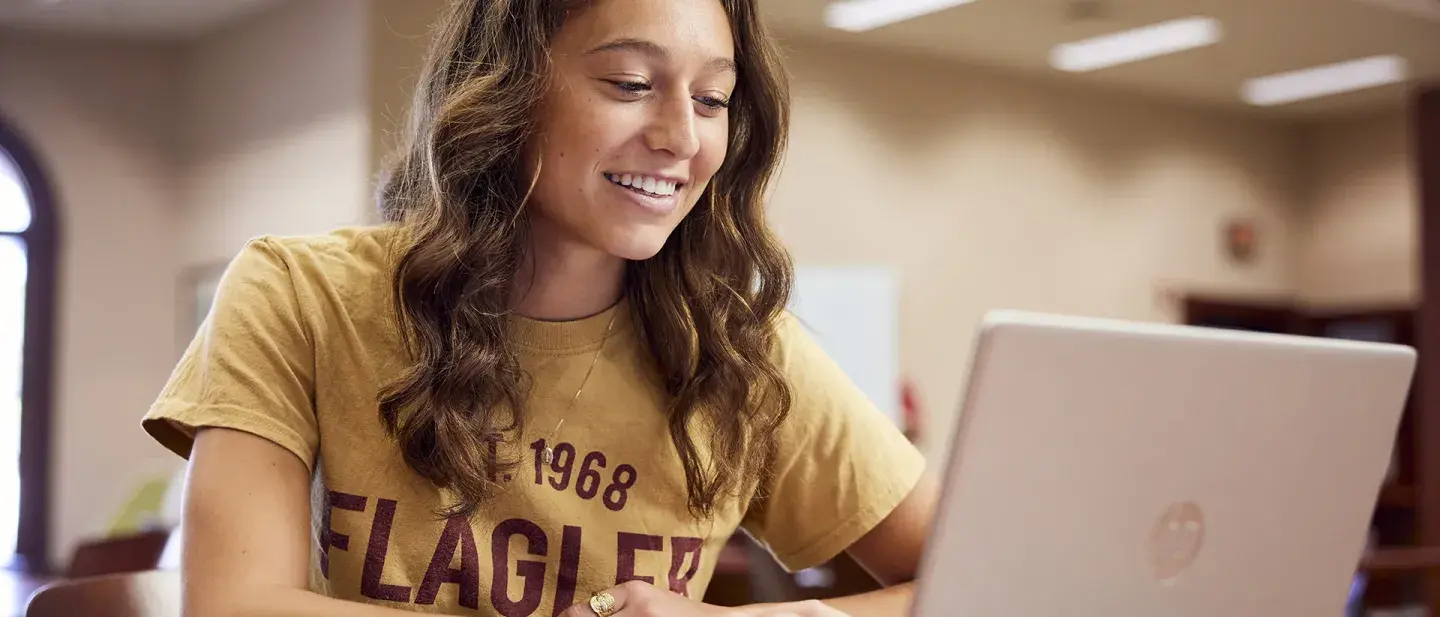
{"points": [[637, 599]]}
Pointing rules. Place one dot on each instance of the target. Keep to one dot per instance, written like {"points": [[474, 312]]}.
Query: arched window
{"points": [[27, 302]]}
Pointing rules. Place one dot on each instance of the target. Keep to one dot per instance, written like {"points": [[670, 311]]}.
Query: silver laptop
{"points": [[1114, 469]]}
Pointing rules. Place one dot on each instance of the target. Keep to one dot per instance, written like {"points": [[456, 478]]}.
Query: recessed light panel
{"points": [[1136, 44], [1325, 80], [861, 15]]}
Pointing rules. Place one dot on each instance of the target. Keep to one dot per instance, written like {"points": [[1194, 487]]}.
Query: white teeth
{"points": [[649, 185]]}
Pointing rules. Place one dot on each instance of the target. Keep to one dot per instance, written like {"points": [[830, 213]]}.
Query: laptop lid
{"points": [[1142, 470]]}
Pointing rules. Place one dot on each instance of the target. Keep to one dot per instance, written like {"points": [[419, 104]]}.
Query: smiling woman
{"points": [[561, 376]]}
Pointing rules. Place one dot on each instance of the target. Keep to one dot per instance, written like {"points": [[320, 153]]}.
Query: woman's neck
{"points": [[561, 280]]}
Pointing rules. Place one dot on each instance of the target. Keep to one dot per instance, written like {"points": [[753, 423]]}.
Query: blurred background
{"points": [[1258, 164]]}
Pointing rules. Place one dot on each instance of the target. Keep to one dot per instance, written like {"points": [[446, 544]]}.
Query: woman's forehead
{"points": [[680, 28]]}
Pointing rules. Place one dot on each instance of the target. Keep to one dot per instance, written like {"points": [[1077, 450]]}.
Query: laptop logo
{"points": [[1176, 540]]}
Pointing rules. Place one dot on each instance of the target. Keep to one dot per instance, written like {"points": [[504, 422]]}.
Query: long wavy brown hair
{"points": [[707, 305]]}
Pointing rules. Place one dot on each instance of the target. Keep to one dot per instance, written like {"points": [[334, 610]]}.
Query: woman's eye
{"points": [[714, 103], [631, 87]]}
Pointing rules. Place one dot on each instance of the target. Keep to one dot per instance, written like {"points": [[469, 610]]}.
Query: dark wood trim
{"points": [[1363, 312], [1195, 306], [42, 241], [131, 552], [1277, 315], [1426, 151], [1401, 560]]}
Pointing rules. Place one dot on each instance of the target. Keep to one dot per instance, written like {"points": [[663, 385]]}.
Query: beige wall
{"points": [[167, 157], [987, 191], [399, 37], [1359, 234], [278, 128], [100, 116]]}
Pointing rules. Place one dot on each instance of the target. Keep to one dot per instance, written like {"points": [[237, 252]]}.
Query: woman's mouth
{"points": [[645, 185]]}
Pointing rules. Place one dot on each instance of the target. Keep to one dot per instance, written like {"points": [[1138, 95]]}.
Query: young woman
{"points": [[561, 375]]}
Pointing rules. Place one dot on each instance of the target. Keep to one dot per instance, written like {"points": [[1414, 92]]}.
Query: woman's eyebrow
{"points": [[656, 51]]}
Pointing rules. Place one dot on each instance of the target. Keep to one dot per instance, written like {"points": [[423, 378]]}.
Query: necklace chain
{"points": [[548, 453]]}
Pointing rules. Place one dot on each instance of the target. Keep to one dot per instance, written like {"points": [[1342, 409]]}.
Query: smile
{"points": [[645, 185]]}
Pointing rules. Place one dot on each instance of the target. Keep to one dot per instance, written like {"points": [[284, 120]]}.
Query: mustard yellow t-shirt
{"points": [[300, 342]]}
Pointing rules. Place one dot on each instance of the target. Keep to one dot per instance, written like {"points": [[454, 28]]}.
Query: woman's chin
{"points": [[639, 247]]}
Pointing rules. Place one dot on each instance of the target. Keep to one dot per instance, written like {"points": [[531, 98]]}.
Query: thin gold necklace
{"points": [[547, 454]]}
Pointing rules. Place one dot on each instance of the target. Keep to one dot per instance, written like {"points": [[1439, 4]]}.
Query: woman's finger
{"points": [[611, 602]]}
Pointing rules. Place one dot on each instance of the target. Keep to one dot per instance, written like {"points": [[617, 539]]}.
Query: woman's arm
{"points": [[246, 534], [891, 553]]}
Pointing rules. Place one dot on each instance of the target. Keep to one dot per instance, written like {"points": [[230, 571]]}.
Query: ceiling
{"points": [[1260, 37], [138, 18]]}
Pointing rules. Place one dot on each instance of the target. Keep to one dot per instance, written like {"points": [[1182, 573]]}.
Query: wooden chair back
{"points": [[138, 594]]}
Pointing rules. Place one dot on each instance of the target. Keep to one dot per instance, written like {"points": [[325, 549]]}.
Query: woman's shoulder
{"points": [[343, 247], [793, 343], [343, 256]]}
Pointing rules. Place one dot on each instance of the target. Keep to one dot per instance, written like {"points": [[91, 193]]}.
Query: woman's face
{"points": [[635, 122]]}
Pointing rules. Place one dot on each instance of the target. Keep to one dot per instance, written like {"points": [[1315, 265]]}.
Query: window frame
{"points": [[42, 240]]}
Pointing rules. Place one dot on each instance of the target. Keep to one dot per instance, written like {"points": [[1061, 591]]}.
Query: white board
{"points": [[853, 312]]}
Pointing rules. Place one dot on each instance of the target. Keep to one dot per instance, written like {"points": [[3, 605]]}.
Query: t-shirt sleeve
{"points": [[250, 367], [841, 468]]}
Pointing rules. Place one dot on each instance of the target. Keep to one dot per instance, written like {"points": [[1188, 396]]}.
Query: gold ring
{"points": [[603, 604]]}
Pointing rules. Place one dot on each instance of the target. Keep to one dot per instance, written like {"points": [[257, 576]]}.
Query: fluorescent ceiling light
{"points": [[1137, 44], [1325, 80], [861, 15]]}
